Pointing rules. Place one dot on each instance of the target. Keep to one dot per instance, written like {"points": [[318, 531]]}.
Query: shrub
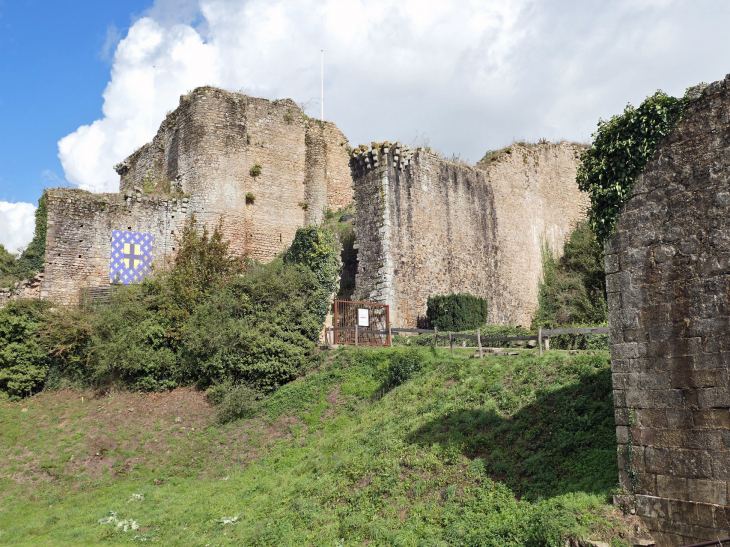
{"points": [[203, 264], [238, 402], [456, 312], [402, 366], [131, 343], [316, 247], [258, 331], [23, 361], [66, 338], [572, 288], [255, 171], [250, 198]]}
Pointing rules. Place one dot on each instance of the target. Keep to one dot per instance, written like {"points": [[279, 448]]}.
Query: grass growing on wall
{"points": [[504, 451]]}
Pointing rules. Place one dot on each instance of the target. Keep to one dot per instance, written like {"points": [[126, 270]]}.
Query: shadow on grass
{"points": [[564, 441]]}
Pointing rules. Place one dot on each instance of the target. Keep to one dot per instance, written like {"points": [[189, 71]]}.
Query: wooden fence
{"points": [[451, 336]]}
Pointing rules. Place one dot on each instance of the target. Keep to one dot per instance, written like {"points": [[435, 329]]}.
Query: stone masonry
{"points": [[200, 163], [668, 280], [429, 226]]}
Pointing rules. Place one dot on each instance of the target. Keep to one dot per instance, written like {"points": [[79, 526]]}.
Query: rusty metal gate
{"points": [[361, 323]]}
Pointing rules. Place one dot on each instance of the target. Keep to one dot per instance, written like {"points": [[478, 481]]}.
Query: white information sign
{"points": [[363, 317]]}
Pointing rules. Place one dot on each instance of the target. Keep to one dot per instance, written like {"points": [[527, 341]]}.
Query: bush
{"points": [[572, 289], [259, 330], [456, 312], [255, 171], [316, 247], [131, 343], [402, 366], [23, 361], [237, 402]]}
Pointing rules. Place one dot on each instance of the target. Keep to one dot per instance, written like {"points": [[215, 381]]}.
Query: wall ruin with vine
{"points": [[668, 281]]}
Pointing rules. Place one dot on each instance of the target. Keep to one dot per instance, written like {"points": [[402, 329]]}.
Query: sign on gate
{"points": [[363, 317], [361, 323]]}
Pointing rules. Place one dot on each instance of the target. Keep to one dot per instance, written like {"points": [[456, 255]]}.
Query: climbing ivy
{"points": [[622, 147]]}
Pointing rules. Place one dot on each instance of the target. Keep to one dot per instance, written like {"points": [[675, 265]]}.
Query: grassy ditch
{"points": [[402, 446]]}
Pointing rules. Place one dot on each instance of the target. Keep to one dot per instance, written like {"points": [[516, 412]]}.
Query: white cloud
{"points": [[17, 224], [471, 74]]}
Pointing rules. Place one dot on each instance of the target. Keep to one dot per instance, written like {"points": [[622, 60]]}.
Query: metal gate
{"points": [[361, 323]]}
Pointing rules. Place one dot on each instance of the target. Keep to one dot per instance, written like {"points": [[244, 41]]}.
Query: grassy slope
{"points": [[333, 459]]}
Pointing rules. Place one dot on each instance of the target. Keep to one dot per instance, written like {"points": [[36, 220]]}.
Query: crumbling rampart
{"points": [[668, 280], [260, 167], [429, 226]]}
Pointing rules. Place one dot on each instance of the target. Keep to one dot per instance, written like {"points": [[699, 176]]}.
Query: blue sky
{"points": [[55, 68], [91, 81]]}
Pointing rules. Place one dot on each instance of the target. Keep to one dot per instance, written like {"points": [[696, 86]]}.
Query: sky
{"points": [[86, 83]]}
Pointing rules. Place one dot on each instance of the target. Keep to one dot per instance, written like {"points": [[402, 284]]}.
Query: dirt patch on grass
{"points": [[84, 436]]}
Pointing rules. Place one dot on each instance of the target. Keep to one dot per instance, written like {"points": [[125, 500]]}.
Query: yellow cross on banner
{"points": [[132, 253]]}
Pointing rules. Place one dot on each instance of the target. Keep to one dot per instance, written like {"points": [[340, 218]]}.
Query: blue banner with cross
{"points": [[131, 257]]}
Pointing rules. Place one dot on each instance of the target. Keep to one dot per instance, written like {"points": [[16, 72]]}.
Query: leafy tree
{"points": [[622, 146]]}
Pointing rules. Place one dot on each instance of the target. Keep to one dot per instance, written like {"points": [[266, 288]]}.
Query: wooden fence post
{"points": [[451, 343], [435, 337], [479, 342], [356, 333], [539, 340]]}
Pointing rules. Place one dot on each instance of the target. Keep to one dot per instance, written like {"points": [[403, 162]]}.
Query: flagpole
{"points": [[322, 81]]}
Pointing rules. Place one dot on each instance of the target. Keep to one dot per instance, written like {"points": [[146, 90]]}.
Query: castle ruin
{"points": [[428, 226], [260, 167], [424, 225]]}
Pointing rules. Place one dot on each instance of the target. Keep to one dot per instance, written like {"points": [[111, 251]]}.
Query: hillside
{"points": [[499, 451]]}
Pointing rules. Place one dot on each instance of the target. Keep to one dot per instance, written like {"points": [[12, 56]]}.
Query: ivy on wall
{"points": [[622, 147]]}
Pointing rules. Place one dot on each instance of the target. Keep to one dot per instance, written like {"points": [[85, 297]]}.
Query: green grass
{"points": [[501, 451]]}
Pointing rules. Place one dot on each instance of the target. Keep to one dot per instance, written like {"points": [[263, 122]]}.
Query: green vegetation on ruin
{"points": [[502, 451], [622, 146], [345, 232], [572, 291], [32, 259], [212, 318]]}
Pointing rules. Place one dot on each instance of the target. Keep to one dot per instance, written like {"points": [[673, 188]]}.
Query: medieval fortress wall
{"points": [[200, 163], [429, 226], [424, 225]]}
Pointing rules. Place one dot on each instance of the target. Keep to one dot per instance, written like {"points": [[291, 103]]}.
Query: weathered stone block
{"points": [[707, 491]]}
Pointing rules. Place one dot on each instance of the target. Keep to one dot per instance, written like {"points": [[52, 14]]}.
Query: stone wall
{"points": [[80, 226], [27, 288], [205, 151], [429, 226], [668, 279]]}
